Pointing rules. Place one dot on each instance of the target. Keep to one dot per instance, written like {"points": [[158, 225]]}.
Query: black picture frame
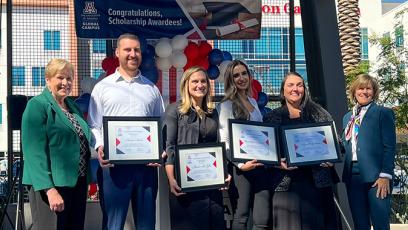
{"points": [[133, 145], [299, 141], [267, 131], [205, 153]]}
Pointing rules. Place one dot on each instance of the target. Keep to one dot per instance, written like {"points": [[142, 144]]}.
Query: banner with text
{"points": [[153, 19]]}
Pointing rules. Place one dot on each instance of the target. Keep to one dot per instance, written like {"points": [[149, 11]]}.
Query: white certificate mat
{"points": [[132, 140], [253, 140], [199, 167], [311, 144]]}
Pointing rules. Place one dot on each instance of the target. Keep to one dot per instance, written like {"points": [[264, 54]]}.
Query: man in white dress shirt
{"points": [[125, 93]]}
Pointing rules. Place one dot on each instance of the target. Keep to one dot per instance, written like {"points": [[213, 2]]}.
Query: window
{"points": [[1, 114], [96, 73], [98, 46], [38, 76], [364, 44], [399, 36], [52, 40], [299, 45], [18, 76]]}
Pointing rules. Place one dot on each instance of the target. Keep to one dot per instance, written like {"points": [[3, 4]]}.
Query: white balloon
{"points": [[163, 63], [178, 59], [222, 67], [179, 42], [163, 49], [164, 39]]}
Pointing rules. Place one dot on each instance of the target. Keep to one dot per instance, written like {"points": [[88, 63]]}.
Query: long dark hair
{"points": [[306, 96], [231, 91]]}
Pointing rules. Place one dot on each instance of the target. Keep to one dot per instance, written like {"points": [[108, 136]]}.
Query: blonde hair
{"points": [[364, 80], [57, 65], [186, 99], [231, 91]]}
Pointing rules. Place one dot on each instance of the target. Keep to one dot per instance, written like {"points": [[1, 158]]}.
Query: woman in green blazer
{"points": [[56, 151]]}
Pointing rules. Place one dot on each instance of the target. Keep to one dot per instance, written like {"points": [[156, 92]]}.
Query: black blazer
{"points": [[184, 128]]}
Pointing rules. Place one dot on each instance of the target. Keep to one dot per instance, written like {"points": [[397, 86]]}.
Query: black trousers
{"points": [[73, 216], [254, 190], [202, 210]]}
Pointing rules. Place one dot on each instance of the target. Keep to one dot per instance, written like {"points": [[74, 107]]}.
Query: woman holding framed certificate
{"points": [[250, 177], [193, 120], [304, 197], [370, 142]]}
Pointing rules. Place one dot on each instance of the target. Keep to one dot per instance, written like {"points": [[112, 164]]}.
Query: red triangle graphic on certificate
{"points": [[296, 147], [187, 169], [241, 143], [215, 164], [325, 141], [117, 141], [149, 138]]}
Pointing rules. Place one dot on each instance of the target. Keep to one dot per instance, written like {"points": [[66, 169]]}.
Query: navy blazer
{"points": [[375, 146]]}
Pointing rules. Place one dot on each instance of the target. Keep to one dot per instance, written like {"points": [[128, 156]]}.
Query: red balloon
{"points": [[191, 51], [256, 85], [203, 62], [190, 63], [109, 65], [254, 94], [204, 49]]}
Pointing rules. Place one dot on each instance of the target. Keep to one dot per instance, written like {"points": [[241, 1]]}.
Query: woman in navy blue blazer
{"points": [[369, 139]]}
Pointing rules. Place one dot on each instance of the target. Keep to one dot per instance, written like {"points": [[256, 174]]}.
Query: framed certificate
{"points": [[253, 140], [132, 140], [310, 144], [200, 166]]}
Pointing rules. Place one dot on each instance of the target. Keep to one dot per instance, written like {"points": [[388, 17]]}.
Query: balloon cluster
{"points": [[165, 54], [202, 54], [260, 97]]}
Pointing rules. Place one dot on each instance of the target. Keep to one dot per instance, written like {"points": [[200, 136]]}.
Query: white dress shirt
{"points": [[114, 96]]}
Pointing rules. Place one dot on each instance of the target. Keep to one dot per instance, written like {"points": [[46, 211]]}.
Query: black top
{"points": [[84, 152], [188, 129], [312, 113]]}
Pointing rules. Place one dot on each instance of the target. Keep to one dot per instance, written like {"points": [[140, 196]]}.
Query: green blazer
{"points": [[50, 144]]}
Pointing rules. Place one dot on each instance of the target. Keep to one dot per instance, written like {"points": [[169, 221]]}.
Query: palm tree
{"points": [[349, 31]]}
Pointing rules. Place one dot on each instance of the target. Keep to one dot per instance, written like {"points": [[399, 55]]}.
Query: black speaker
{"points": [[16, 107]]}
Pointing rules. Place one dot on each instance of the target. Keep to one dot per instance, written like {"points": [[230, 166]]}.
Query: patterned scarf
{"points": [[354, 123]]}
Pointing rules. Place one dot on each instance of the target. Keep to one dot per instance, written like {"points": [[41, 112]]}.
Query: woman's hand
{"points": [[383, 187], [249, 165], [284, 165], [174, 188], [326, 164], [104, 163], [227, 182], [55, 200]]}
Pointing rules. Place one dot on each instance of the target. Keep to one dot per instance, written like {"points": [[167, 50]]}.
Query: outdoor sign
{"points": [[154, 19]]}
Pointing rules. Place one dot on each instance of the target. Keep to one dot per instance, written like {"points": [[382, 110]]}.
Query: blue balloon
{"points": [[262, 99], [152, 75], [227, 55], [264, 110], [83, 102], [215, 57], [148, 63], [149, 51], [213, 72]]}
